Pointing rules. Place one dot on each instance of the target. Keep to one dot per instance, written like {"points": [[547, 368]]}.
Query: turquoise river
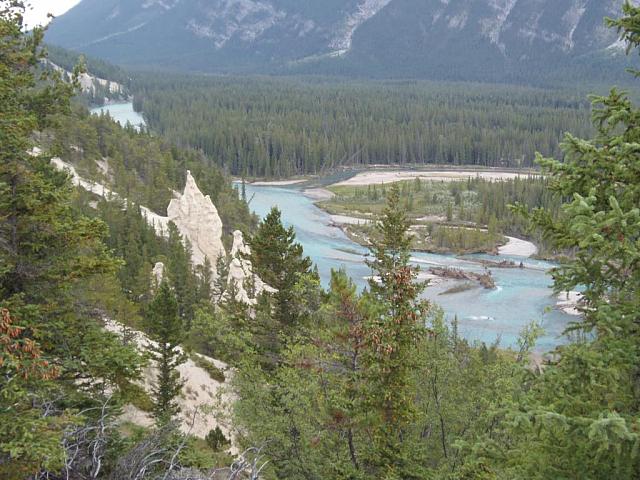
{"points": [[521, 296]]}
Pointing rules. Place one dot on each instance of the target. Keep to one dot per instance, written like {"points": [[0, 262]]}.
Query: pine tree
{"points": [[23, 430], [166, 330], [205, 282], [243, 191], [221, 282], [180, 274]]}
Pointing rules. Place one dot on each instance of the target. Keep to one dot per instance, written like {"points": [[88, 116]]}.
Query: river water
{"points": [[521, 296], [122, 113]]}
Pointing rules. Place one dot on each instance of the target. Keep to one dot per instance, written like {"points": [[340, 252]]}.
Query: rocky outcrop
{"points": [[93, 85], [193, 213], [247, 285], [198, 222]]}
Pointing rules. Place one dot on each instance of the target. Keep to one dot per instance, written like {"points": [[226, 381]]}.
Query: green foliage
{"points": [[447, 213], [214, 372], [180, 274], [216, 439], [379, 386], [22, 369], [68, 60], [580, 418], [219, 334], [133, 241], [144, 168], [166, 329], [279, 261], [319, 409], [337, 384], [138, 397], [274, 128], [198, 454], [51, 260], [393, 335]]}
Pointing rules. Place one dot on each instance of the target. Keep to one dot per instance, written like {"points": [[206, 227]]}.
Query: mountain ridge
{"points": [[422, 38]]}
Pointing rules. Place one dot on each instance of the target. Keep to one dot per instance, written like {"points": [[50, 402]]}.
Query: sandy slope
{"points": [[204, 402], [346, 220], [319, 193]]}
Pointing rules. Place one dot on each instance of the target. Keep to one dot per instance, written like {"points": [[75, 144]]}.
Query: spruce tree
{"points": [[394, 332], [167, 331], [221, 281], [205, 283], [280, 262], [181, 276]]}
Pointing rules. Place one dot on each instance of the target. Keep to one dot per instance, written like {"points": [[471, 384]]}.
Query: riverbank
{"points": [[318, 194], [520, 296], [447, 213], [569, 303], [517, 247], [123, 113], [380, 176], [361, 230]]}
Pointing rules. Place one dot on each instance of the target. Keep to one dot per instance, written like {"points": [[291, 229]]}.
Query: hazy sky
{"points": [[37, 13]]}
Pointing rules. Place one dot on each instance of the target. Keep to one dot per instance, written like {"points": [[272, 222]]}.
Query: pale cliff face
{"points": [[198, 222], [239, 247], [247, 284], [158, 273]]}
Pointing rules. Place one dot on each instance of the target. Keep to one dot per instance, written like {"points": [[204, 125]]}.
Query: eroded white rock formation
{"points": [[198, 222], [193, 213], [248, 285], [158, 273]]}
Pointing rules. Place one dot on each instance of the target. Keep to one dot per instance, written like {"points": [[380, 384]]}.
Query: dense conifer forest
{"points": [[323, 383], [265, 127]]}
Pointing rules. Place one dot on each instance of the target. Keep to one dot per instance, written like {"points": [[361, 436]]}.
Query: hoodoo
{"points": [[198, 221]]}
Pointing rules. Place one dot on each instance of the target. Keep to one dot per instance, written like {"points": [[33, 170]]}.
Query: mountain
{"points": [[460, 39]]}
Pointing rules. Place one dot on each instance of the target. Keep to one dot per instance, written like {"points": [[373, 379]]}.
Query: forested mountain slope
{"points": [[100, 83], [144, 168], [460, 39]]}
